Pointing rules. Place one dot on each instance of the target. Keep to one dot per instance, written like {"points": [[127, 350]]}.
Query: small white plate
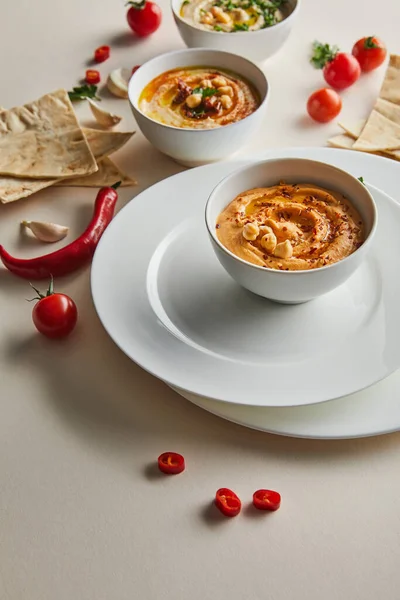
{"points": [[182, 318]]}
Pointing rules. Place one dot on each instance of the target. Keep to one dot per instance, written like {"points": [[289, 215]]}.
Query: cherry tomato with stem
{"points": [[370, 53], [324, 105], [340, 69], [228, 502], [54, 315], [266, 500], [171, 463], [144, 17]]}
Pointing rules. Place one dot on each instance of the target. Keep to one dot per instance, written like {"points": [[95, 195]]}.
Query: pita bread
{"points": [[353, 128], [379, 133], [43, 139], [107, 174], [102, 143], [390, 89], [341, 141]]}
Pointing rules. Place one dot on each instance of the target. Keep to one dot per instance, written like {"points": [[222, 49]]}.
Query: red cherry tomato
{"points": [[92, 76], [171, 463], [55, 315], [324, 105], [370, 53], [101, 54], [228, 502], [266, 500], [144, 17], [342, 71]]}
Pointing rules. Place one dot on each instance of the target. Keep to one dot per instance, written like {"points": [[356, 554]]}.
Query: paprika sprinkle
{"points": [[77, 253]]}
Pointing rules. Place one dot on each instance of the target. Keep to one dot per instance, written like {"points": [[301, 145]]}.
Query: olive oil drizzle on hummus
{"points": [[290, 227]]}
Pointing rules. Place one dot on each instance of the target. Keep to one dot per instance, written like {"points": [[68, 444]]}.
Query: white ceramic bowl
{"points": [[194, 147], [291, 287], [254, 45]]}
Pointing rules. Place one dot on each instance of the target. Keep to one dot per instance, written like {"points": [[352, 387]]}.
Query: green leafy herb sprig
{"points": [[82, 92]]}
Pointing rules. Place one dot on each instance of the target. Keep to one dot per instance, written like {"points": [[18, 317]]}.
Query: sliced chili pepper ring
{"points": [[101, 54], [171, 463], [266, 500], [92, 76], [228, 502]]}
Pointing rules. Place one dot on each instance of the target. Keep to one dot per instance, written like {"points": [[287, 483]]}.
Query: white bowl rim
{"points": [[211, 230], [241, 33], [193, 50]]}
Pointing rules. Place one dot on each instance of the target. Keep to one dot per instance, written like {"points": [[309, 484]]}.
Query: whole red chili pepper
{"points": [[71, 257]]}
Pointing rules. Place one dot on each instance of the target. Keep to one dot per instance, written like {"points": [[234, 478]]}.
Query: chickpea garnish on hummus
{"points": [[198, 98], [227, 16], [290, 227]]}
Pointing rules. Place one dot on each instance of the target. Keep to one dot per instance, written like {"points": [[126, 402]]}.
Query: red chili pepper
{"points": [[101, 54], [266, 500], [228, 502], [71, 257], [92, 76], [135, 68], [171, 463]]}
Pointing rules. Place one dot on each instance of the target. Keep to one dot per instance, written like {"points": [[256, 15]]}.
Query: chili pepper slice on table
{"points": [[266, 500], [228, 502], [92, 76], [171, 463], [71, 257], [101, 54]]}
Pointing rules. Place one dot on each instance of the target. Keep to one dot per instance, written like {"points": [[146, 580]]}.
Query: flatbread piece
{"points": [[43, 139]]}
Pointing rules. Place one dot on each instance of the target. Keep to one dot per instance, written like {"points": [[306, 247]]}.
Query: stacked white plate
{"points": [[309, 370]]}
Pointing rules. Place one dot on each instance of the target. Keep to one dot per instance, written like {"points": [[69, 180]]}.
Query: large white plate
{"points": [[182, 318]]}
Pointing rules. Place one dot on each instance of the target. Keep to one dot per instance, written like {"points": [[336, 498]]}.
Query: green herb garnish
{"points": [[240, 27], [217, 28], [361, 179], [82, 92], [205, 92], [185, 2], [322, 54]]}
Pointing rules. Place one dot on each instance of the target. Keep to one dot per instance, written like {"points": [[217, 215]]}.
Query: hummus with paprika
{"points": [[290, 227], [198, 98]]}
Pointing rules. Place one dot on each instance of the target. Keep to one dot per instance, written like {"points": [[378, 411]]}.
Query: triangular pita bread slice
{"points": [[341, 141], [390, 89], [379, 134], [43, 139], [353, 128], [388, 109], [102, 144], [108, 174]]}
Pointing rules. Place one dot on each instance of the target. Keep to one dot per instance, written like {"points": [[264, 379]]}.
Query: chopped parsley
{"points": [[361, 179], [217, 28], [82, 92], [240, 27], [205, 92]]}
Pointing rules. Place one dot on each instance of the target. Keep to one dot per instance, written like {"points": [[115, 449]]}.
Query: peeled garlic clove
{"points": [[46, 232], [117, 84], [104, 118]]}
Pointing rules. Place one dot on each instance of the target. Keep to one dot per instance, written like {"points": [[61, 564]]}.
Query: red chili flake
{"points": [[284, 228], [217, 226]]}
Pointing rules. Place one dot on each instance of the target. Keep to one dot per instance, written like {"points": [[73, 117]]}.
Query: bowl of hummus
{"points": [[255, 29], [198, 106], [291, 229]]}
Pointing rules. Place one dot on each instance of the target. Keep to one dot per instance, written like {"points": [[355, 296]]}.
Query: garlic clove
{"points": [[117, 84], [103, 117], [46, 232]]}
